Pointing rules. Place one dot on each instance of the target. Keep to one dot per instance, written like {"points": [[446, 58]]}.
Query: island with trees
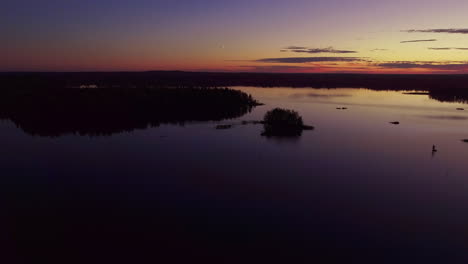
{"points": [[105, 111]]}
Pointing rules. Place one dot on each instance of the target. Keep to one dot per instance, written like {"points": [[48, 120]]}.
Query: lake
{"points": [[356, 187]]}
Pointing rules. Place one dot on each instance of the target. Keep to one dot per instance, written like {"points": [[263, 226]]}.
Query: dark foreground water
{"points": [[355, 189]]}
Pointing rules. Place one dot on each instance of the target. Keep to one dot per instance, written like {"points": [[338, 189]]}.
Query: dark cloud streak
{"points": [[297, 49], [418, 40], [439, 30], [309, 59], [448, 48], [279, 68], [439, 48]]}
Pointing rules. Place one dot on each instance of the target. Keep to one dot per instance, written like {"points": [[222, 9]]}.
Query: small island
{"points": [[283, 123]]}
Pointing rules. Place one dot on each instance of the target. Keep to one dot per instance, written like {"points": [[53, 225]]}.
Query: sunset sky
{"points": [[397, 36]]}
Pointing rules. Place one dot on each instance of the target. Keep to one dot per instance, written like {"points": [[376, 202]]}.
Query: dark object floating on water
{"points": [[395, 123], [283, 123], [342, 108], [434, 148], [223, 126], [460, 109], [465, 140], [53, 112]]}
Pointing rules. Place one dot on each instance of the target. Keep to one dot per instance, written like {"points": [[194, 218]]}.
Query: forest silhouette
{"points": [[445, 88], [99, 112]]}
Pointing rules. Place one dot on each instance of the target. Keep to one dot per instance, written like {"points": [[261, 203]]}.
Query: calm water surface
{"points": [[356, 187]]}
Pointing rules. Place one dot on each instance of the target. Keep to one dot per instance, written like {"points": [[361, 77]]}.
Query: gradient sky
{"points": [[217, 35]]}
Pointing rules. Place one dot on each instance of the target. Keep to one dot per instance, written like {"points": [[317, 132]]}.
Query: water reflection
{"points": [[449, 95], [318, 95], [282, 139], [357, 187], [270, 133], [446, 117]]}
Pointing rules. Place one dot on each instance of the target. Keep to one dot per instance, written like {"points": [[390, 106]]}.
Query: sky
{"points": [[362, 36]]}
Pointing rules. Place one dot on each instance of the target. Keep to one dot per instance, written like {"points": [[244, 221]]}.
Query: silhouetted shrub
{"points": [[283, 117], [283, 122]]}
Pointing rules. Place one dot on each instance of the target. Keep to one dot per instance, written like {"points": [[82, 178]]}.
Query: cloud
{"points": [[448, 48], [279, 68], [449, 66], [418, 40], [317, 50], [295, 48], [309, 59], [328, 50], [445, 30]]}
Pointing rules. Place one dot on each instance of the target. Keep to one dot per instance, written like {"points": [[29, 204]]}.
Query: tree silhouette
{"points": [[283, 123]]}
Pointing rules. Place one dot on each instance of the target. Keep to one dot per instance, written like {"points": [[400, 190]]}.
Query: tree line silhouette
{"points": [[440, 87], [97, 112], [457, 95]]}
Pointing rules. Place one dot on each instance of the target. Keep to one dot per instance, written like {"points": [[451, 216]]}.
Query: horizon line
{"points": [[233, 72]]}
